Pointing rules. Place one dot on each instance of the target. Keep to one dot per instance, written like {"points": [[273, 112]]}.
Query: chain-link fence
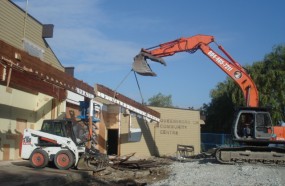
{"points": [[212, 140]]}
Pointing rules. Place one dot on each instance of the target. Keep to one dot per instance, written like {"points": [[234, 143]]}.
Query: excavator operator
{"points": [[248, 126]]}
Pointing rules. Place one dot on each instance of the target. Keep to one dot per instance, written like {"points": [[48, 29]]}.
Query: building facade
{"points": [[153, 132], [178, 127], [33, 84], [119, 125]]}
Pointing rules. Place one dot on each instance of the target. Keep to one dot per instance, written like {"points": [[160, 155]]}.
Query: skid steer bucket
{"points": [[141, 66], [93, 162]]}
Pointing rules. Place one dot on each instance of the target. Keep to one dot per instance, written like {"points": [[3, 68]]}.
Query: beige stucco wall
{"points": [[14, 30], [141, 145], [20, 110], [177, 126]]}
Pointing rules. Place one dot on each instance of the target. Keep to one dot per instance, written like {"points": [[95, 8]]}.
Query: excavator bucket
{"points": [[141, 66]]}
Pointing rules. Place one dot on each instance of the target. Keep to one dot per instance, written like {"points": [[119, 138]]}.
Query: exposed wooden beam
{"points": [[29, 83], [40, 70], [32, 74], [124, 99]]}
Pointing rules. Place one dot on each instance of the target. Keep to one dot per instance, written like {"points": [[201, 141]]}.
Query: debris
{"points": [[124, 162], [115, 160], [130, 170]]}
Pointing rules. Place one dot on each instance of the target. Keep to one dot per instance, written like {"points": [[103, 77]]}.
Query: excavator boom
{"points": [[191, 45]]}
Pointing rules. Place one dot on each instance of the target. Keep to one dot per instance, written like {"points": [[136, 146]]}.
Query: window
{"points": [[263, 121], [53, 128], [246, 125], [58, 129], [47, 127], [68, 127], [33, 49]]}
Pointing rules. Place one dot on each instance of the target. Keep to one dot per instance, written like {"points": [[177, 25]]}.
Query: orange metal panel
{"points": [[279, 131]]}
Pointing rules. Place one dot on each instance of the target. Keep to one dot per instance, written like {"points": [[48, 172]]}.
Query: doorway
{"points": [[112, 144]]}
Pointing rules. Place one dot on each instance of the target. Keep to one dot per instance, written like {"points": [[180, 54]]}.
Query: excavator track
{"points": [[251, 154]]}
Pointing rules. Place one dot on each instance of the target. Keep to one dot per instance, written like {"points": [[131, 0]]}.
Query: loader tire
{"points": [[63, 159], [39, 158]]}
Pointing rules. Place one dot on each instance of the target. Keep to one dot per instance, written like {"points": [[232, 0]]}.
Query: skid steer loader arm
{"points": [[141, 66]]}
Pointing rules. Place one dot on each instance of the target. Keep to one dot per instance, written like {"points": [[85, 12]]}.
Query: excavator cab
{"points": [[253, 124]]}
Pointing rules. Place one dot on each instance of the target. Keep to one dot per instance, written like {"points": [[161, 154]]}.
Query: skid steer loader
{"points": [[61, 142]]}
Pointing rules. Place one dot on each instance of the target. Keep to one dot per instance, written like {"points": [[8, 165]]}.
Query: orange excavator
{"points": [[252, 127]]}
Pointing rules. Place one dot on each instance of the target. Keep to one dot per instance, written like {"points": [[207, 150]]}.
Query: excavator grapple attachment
{"points": [[141, 66]]}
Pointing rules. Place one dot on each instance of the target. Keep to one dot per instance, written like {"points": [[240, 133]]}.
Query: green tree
{"points": [[160, 100], [220, 110], [270, 78]]}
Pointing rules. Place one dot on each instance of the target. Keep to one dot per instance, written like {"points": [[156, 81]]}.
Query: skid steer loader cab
{"points": [[67, 128]]}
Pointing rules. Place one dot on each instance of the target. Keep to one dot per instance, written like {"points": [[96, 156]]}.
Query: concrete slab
{"points": [[13, 173]]}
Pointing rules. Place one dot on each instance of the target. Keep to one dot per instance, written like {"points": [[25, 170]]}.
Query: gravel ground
{"points": [[209, 172]]}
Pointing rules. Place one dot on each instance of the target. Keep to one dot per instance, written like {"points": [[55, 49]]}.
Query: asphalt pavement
{"points": [[14, 173]]}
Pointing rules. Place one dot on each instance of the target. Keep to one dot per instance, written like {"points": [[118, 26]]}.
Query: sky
{"points": [[100, 38]]}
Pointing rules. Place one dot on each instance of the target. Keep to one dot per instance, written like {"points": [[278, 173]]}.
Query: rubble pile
{"points": [[133, 171], [200, 170]]}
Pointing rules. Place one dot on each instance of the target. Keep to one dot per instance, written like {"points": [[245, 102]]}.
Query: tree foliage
{"points": [[160, 100], [269, 77]]}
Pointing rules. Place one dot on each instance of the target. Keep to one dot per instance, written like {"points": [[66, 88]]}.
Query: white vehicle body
{"points": [[31, 141]]}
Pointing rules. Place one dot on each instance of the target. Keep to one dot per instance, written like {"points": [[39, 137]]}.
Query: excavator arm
{"points": [[191, 45]]}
